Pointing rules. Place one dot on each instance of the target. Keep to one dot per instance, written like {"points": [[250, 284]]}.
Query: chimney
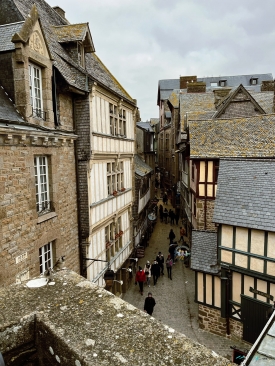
{"points": [[220, 94], [59, 11], [197, 87], [267, 85], [185, 80]]}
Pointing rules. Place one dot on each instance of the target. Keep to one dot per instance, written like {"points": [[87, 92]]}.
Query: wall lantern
{"points": [[109, 275]]}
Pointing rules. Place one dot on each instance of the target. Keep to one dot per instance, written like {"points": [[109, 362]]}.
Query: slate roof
{"points": [[265, 100], [7, 110], [204, 251], [7, 31], [245, 194], [196, 102], [141, 168], [73, 73], [252, 137], [145, 126]]}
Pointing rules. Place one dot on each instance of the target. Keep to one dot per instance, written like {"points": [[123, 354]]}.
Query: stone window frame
{"points": [[42, 184], [46, 257], [36, 91], [115, 177]]}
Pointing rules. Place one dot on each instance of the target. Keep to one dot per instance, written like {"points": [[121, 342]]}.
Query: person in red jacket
{"points": [[140, 279]]}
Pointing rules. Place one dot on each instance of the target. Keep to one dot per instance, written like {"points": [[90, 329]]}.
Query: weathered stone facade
{"points": [[205, 209], [210, 320]]}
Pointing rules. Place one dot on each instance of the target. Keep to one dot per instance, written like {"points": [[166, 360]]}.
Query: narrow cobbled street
{"points": [[175, 304]]}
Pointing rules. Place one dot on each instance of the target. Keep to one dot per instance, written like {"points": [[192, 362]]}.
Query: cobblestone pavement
{"points": [[175, 304]]}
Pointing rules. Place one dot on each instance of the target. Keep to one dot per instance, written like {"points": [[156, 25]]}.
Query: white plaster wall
{"points": [[227, 236], [241, 239], [257, 242]]}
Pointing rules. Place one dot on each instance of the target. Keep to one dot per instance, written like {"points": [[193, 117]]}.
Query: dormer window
{"points": [[213, 83], [35, 80], [81, 54], [253, 81], [222, 83]]}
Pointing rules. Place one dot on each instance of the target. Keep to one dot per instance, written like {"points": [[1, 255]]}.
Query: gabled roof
{"points": [[204, 251], [73, 33], [49, 18], [245, 194], [8, 111], [252, 137], [265, 100], [239, 94], [7, 31], [141, 168]]}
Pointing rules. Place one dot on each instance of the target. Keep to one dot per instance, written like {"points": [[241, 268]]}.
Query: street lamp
{"points": [[109, 274]]}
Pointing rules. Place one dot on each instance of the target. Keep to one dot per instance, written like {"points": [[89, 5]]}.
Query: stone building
{"points": [[38, 210], [239, 255], [79, 93]]}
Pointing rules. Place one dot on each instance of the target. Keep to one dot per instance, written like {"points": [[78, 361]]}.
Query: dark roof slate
{"points": [[141, 168], [252, 137], [204, 251], [245, 194], [7, 31], [8, 111], [145, 126]]}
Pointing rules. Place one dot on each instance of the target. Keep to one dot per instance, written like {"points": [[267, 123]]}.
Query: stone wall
{"points": [[201, 224], [210, 320], [22, 230]]}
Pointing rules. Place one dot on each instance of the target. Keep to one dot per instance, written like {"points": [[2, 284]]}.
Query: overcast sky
{"points": [[144, 41]]}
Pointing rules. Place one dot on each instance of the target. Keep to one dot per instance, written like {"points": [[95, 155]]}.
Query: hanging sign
{"points": [[261, 293]]}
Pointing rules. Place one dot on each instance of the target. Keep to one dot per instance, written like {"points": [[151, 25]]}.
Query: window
{"points": [[35, 81], [254, 81], [222, 82], [193, 171], [46, 257], [42, 184], [167, 141], [214, 83], [115, 177], [117, 121], [113, 238]]}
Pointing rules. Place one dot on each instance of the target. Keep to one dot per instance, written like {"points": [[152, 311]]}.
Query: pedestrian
{"points": [[165, 215], [182, 234], [171, 236], [172, 217], [149, 304], [169, 264], [172, 248], [170, 214], [177, 216], [161, 213], [140, 279], [160, 260], [147, 270], [155, 271]]}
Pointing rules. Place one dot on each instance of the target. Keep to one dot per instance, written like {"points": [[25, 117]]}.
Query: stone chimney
{"points": [[59, 11], [185, 80], [220, 94], [196, 87], [267, 85]]}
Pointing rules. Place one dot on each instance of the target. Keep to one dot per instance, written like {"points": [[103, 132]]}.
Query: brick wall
{"points": [[20, 228]]}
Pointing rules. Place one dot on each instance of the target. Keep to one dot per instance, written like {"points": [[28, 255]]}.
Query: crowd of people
{"points": [[155, 268]]}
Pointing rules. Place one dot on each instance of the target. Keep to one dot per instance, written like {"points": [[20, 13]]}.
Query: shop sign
{"points": [[261, 293]]}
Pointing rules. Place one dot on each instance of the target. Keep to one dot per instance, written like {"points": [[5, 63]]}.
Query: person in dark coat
{"points": [[155, 272], [172, 248], [172, 217], [149, 304], [169, 265], [171, 236], [160, 260], [140, 279], [165, 215]]}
